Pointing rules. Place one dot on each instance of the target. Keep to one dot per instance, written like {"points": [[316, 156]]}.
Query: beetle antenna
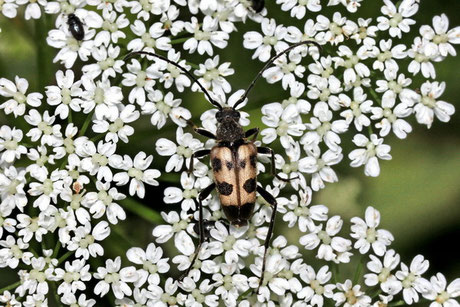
{"points": [[188, 73], [270, 62]]}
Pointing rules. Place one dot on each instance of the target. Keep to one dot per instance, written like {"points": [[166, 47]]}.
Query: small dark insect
{"points": [[233, 161], [76, 186], [76, 27], [258, 5]]}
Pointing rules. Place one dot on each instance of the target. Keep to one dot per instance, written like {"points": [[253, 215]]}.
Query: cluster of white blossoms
{"points": [[63, 176]]}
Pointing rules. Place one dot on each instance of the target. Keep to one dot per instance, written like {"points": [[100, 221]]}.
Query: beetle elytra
{"points": [[76, 27]]}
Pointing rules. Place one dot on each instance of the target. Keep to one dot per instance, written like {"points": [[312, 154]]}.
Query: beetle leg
{"points": [[197, 154], [272, 201], [268, 150], [203, 195], [199, 130], [254, 132], [205, 133], [207, 226]]}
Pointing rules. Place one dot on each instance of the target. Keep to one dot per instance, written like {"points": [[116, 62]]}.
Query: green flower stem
{"points": [[369, 129], [12, 286], [123, 243], [69, 118], [375, 96], [193, 65], [22, 27], [64, 162], [98, 137], [65, 256], [33, 252], [180, 40], [56, 249], [56, 296], [245, 294], [28, 145], [43, 68], [43, 244], [141, 210], [359, 270], [335, 272], [377, 292], [398, 303], [86, 124]]}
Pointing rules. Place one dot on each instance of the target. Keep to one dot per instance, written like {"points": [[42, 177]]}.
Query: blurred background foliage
{"points": [[417, 192]]}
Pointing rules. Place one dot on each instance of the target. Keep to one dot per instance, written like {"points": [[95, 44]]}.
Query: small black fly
{"points": [[76, 27], [258, 5]]}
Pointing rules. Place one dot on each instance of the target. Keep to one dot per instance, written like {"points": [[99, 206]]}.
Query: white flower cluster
{"points": [[62, 176]]}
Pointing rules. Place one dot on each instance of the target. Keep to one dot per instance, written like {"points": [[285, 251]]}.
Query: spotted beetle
{"points": [[76, 27], [233, 162]]}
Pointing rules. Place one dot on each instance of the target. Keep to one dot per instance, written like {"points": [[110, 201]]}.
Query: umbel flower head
{"points": [[84, 156]]}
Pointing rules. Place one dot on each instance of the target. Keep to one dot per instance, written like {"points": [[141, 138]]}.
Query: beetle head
{"points": [[228, 127], [227, 115]]}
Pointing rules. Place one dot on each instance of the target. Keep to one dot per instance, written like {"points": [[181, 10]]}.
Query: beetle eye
{"points": [[219, 116], [236, 115]]}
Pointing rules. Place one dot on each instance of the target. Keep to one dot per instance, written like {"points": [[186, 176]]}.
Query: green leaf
{"points": [[141, 210]]}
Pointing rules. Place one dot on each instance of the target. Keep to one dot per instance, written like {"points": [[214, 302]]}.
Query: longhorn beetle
{"points": [[233, 161]]}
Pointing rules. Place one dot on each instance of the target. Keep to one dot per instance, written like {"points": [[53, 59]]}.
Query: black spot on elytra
{"points": [[246, 211], [216, 164], [239, 215], [242, 163], [253, 160], [231, 212], [225, 188], [250, 185], [229, 164]]}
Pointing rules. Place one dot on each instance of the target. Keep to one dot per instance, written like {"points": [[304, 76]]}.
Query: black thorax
{"points": [[229, 131]]}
